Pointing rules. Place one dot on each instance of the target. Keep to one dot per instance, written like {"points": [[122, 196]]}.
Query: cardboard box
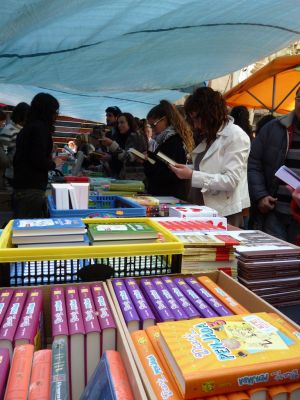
{"points": [[240, 293], [122, 340]]}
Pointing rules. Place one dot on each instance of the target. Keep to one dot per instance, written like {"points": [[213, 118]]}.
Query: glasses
{"points": [[156, 122]]}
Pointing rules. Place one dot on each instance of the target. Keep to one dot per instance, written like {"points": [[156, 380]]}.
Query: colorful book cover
{"points": [[39, 388], [126, 304], [48, 226], [59, 320], [60, 370], [205, 310], [159, 307], [225, 298], [142, 307], [19, 375], [174, 307], [161, 384], [30, 328], [133, 230], [212, 301], [105, 316], [11, 319], [4, 370], [186, 305], [227, 354], [5, 298]]}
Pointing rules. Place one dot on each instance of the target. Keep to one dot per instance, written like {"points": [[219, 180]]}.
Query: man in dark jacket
{"points": [[277, 144]]}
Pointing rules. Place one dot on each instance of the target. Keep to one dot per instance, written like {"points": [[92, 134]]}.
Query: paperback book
{"points": [[133, 230]]}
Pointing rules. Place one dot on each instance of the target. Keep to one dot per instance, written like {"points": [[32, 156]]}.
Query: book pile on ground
{"points": [[73, 195], [122, 233], [81, 315], [49, 232], [248, 356], [269, 267]]}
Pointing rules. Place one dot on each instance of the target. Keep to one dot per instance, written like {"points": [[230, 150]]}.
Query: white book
{"points": [[73, 198], [60, 192], [288, 176], [82, 194], [141, 155], [165, 159]]}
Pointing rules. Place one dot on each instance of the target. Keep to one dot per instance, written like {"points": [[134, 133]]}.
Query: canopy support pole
{"points": [[287, 96], [273, 93], [260, 102]]}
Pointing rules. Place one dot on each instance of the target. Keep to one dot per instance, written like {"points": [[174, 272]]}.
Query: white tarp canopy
{"points": [[106, 46]]}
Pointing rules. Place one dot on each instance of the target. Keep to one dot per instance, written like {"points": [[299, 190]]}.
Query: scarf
{"points": [[163, 136]]}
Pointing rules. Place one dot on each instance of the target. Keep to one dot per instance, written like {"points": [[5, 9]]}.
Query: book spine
{"points": [[142, 307], [19, 375], [212, 301], [59, 321], [105, 315], [5, 298], [161, 384], [30, 326], [4, 370], [158, 305], [59, 371], [174, 307], [74, 313], [90, 319], [39, 388], [126, 304], [225, 298], [205, 310], [186, 305]]}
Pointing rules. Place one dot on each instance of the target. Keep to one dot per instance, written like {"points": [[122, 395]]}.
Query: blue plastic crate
{"points": [[101, 206]]}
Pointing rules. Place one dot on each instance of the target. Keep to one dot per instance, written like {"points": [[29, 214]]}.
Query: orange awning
{"points": [[273, 87]]}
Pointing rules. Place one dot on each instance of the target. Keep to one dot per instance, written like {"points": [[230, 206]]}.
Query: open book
{"points": [[288, 176], [141, 155], [165, 159]]}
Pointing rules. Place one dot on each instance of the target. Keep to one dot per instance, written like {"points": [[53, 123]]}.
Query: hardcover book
{"points": [[30, 328], [40, 385], [59, 319], [159, 307], [143, 309], [133, 230], [52, 241], [5, 298], [129, 312], [205, 310], [92, 330], [60, 370], [227, 354], [105, 316], [4, 370]]}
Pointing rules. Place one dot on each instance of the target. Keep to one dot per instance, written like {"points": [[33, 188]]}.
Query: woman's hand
{"points": [[182, 171], [105, 141]]}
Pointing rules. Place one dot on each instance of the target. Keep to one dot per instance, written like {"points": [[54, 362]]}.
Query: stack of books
{"points": [[157, 206], [50, 232], [73, 195], [191, 211]]}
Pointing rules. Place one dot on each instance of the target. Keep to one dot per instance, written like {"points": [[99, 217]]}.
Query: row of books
{"points": [[44, 374], [73, 195], [148, 301], [239, 357]]}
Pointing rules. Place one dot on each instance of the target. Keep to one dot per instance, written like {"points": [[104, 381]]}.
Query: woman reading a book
{"points": [[174, 138], [220, 160]]}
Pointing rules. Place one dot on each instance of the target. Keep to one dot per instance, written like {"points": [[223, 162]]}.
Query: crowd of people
{"points": [[219, 160]]}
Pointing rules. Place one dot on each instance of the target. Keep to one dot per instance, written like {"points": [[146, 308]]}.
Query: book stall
{"points": [[168, 303]]}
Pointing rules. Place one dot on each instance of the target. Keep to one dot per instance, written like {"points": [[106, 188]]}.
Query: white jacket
{"points": [[222, 174]]}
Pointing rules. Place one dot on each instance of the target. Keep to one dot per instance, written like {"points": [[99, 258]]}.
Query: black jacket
{"points": [[33, 157], [160, 180]]}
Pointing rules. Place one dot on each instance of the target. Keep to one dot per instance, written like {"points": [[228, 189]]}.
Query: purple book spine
{"points": [[4, 370], [74, 313], [158, 305], [186, 305], [5, 298], [215, 304], [205, 310], [174, 307], [126, 304], [105, 315], [89, 314], [59, 319], [142, 307], [30, 322]]}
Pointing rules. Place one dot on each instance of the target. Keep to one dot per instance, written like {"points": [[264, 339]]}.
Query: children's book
{"points": [[226, 354], [47, 226], [133, 230]]}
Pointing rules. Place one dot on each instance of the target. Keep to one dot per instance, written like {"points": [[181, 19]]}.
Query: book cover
{"points": [[129, 312], [60, 194], [146, 200], [19, 375], [5, 298], [39, 388], [288, 176], [161, 384], [11, 319], [109, 380], [212, 301], [141, 155], [138, 230], [158, 305], [179, 225], [226, 354], [224, 297], [60, 370], [49, 241], [174, 307], [82, 194], [143, 309], [76, 341], [186, 305], [105, 316], [4, 370], [165, 159], [47, 226], [184, 211], [59, 320], [30, 328], [205, 310], [92, 330]]}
